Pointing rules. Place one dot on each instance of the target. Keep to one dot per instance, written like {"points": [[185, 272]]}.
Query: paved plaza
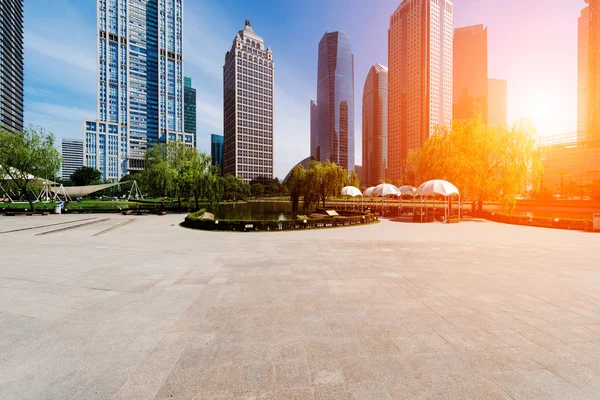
{"points": [[151, 310]]}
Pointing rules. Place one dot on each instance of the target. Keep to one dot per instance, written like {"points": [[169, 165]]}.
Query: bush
{"points": [[542, 222], [193, 221]]}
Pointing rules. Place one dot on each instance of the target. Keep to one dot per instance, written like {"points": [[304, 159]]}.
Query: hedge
{"points": [[194, 222], [542, 222]]}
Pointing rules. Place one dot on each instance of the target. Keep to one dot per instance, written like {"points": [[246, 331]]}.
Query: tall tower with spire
{"points": [[248, 84]]}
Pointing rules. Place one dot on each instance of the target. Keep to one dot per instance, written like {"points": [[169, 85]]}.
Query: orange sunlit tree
{"points": [[486, 163]]}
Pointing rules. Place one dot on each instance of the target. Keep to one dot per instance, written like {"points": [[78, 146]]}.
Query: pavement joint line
{"points": [[112, 228], [72, 227], [47, 226]]}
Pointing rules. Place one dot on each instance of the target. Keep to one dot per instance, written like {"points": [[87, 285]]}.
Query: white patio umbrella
{"points": [[443, 188], [369, 192], [385, 189], [406, 191], [351, 191]]}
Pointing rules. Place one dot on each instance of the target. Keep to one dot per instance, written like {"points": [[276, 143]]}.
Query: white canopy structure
{"points": [[351, 191], [81, 191], [369, 191], [385, 189], [442, 188], [437, 186]]}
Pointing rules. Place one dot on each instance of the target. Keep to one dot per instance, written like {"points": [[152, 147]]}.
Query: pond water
{"points": [[255, 211]]}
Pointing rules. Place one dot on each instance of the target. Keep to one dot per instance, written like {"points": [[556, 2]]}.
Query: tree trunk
{"points": [[30, 200], [197, 205], [480, 206]]}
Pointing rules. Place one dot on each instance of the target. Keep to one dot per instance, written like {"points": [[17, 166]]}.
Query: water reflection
{"points": [[259, 211]]}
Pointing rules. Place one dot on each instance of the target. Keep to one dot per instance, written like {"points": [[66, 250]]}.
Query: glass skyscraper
{"points": [[216, 150], [72, 153], [140, 84], [11, 65], [248, 80], [335, 101], [189, 107], [375, 126]]}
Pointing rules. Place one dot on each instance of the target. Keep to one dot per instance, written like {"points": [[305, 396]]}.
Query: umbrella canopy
{"points": [[407, 190], [437, 186], [351, 191], [369, 191], [385, 189]]}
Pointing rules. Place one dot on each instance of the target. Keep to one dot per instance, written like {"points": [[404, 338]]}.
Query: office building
{"points": [[248, 84], [11, 65], [497, 102], [470, 73], [313, 129], [216, 151], [583, 61], [72, 153], [335, 101], [140, 84], [375, 126], [189, 108], [420, 78]]}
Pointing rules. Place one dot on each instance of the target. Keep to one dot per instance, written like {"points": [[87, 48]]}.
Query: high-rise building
{"points": [[470, 73], [583, 62], [11, 65], [72, 153], [497, 101], [420, 77], [216, 151], [335, 101], [189, 108], [313, 129], [248, 82], [375, 126], [140, 84]]}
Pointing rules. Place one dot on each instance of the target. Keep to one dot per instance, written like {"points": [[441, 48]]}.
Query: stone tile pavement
{"points": [[390, 311]]}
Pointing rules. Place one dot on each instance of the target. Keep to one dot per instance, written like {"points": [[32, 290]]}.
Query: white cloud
{"points": [[61, 51]]}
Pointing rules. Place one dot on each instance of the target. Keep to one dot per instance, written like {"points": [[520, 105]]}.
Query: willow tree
{"points": [[325, 179], [296, 184], [26, 157], [484, 162]]}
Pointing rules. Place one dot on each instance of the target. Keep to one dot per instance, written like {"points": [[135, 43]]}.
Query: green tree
{"points": [[235, 188], [84, 176], [27, 156], [484, 162], [297, 186], [326, 179], [352, 179], [257, 189]]}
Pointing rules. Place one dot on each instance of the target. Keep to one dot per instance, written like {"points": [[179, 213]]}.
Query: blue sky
{"points": [[60, 59]]}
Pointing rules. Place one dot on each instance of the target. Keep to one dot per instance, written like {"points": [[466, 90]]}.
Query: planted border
{"points": [[194, 221], [541, 222]]}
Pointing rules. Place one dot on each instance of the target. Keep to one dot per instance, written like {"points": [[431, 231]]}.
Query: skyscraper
{"points": [[216, 150], [189, 108], [593, 87], [313, 129], [583, 74], [335, 100], [497, 102], [248, 79], [470, 73], [140, 84], [375, 126], [72, 153], [420, 77], [11, 65]]}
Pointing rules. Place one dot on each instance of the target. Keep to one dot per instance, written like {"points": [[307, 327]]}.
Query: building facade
{"points": [[216, 151], [335, 101], [497, 102], [140, 84], [189, 109], [420, 77], [248, 105], [375, 126], [11, 65], [470, 73], [313, 129], [72, 153]]}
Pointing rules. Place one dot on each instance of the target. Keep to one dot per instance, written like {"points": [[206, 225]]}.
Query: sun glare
{"points": [[543, 111]]}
